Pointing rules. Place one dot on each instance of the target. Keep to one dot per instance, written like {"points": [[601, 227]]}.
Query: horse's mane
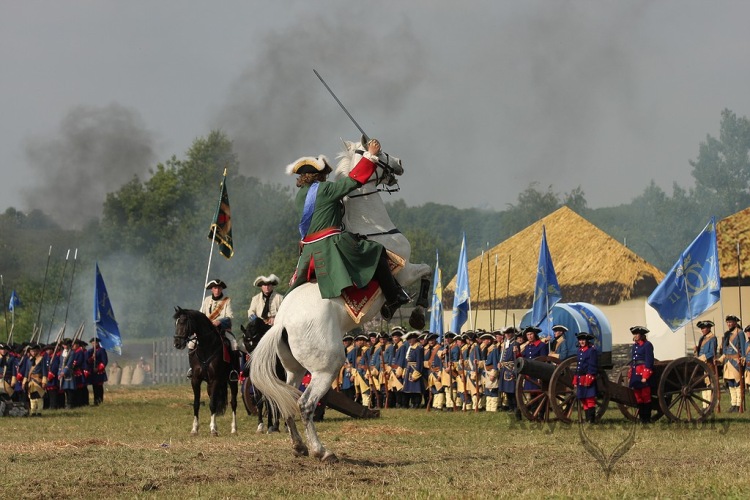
{"points": [[344, 166], [194, 317]]}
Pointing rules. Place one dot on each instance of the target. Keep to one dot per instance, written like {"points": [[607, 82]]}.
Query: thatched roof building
{"points": [[729, 232], [590, 265]]}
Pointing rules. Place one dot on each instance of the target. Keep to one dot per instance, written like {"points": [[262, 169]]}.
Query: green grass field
{"points": [[138, 445]]}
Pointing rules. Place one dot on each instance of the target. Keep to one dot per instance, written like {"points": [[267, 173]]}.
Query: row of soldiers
{"points": [[52, 376], [468, 371]]}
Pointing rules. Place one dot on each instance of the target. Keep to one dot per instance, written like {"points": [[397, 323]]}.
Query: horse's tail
{"points": [[263, 374], [220, 395]]}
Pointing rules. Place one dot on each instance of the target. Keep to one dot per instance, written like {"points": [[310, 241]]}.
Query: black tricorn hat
{"points": [[639, 329], [215, 282], [705, 324], [532, 329], [585, 336], [732, 317]]}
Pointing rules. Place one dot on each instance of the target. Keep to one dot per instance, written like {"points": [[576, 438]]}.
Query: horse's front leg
{"points": [[196, 405], [233, 389], [320, 382]]}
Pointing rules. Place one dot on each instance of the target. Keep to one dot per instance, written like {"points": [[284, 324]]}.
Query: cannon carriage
{"points": [[683, 390]]}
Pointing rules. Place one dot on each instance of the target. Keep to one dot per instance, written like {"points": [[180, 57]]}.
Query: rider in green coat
{"points": [[335, 258]]}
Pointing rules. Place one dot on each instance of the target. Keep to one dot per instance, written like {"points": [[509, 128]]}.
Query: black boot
{"points": [[645, 413], [395, 295], [591, 415]]}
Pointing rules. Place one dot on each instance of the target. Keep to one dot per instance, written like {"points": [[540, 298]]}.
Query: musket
{"points": [[44, 285], [489, 287], [449, 363], [477, 358], [70, 289], [364, 135], [494, 296], [385, 377], [507, 294], [463, 374], [372, 383], [59, 293]]}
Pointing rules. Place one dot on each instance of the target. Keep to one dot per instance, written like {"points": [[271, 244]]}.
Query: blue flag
{"points": [[462, 297], [104, 317], [436, 307], [15, 301], [547, 290], [692, 285]]}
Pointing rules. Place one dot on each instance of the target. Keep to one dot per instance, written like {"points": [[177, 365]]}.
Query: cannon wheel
{"points": [[631, 412], [534, 403], [681, 390], [248, 397], [562, 395]]}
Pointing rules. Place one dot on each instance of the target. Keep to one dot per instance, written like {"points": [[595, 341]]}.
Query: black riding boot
{"points": [[591, 415], [395, 295]]}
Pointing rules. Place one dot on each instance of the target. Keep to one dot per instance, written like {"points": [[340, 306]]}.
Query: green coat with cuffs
{"points": [[340, 260]]}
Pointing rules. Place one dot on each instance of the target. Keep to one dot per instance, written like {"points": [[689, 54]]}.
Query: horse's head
{"points": [[251, 334], [389, 167], [184, 330]]}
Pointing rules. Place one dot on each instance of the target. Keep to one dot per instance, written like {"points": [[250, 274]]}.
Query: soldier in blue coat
{"points": [[533, 348], [559, 347], [347, 371], [413, 372], [509, 351], [53, 384], [97, 365], [733, 347], [65, 375], [640, 371], [6, 372], [584, 379]]}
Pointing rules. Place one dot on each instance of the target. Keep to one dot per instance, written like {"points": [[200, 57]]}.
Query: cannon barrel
{"points": [[534, 369]]}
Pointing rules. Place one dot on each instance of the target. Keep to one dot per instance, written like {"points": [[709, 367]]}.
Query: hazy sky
{"points": [[478, 98]]}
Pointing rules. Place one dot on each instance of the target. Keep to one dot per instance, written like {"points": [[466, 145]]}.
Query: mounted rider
{"points": [[218, 308], [335, 258]]}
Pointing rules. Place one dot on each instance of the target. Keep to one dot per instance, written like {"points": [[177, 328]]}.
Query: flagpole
{"points": [[44, 285], [59, 292], [213, 235]]}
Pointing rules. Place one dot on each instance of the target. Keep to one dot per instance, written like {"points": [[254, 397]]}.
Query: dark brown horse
{"points": [[208, 364]]}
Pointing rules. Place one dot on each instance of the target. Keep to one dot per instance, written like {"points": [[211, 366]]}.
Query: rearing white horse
{"points": [[308, 330]]}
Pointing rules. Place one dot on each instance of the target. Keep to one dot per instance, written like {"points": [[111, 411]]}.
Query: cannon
{"points": [[683, 390]]}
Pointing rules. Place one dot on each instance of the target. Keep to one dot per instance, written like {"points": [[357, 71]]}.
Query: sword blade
{"points": [[364, 135]]}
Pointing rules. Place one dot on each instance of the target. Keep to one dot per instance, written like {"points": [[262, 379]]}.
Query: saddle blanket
{"points": [[358, 301]]}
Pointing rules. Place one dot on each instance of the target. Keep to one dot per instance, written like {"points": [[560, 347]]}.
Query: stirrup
{"points": [[233, 376]]}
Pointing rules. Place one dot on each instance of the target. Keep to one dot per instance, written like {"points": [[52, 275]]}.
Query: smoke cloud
{"points": [[94, 152]]}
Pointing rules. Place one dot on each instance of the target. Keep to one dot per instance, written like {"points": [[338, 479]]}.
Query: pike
{"points": [[59, 293], [70, 288], [364, 135], [5, 309], [44, 285]]}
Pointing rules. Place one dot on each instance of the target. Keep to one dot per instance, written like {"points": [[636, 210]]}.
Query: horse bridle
{"points": [[385, 179]]}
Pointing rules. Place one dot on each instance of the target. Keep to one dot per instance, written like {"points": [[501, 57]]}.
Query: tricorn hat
{"points": [[449, 335], [412, 335], [348, 337], [705, 324], [433, 336], [215, 282], [266, 280], [732, 317], [361, 336], [532, 329], [639, 329], [559, 327], [585, 336], [487, 336], [309, 165]]}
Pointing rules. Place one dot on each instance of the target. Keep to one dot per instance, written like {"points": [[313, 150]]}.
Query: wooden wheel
{"points": [[248, 397], [562, 394], [631, 412], [532, 395], [688, 390]]}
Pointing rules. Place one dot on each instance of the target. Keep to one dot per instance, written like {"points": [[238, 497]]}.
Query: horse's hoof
{"points": [[215, 433], [417, 319], [234, 431], [300, 451], [260, 428], [194, 432], [273, 429], [329, 458]]}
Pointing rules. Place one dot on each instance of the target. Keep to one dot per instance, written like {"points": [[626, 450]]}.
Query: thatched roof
{"points": [[590, 266], [730, 231]]}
